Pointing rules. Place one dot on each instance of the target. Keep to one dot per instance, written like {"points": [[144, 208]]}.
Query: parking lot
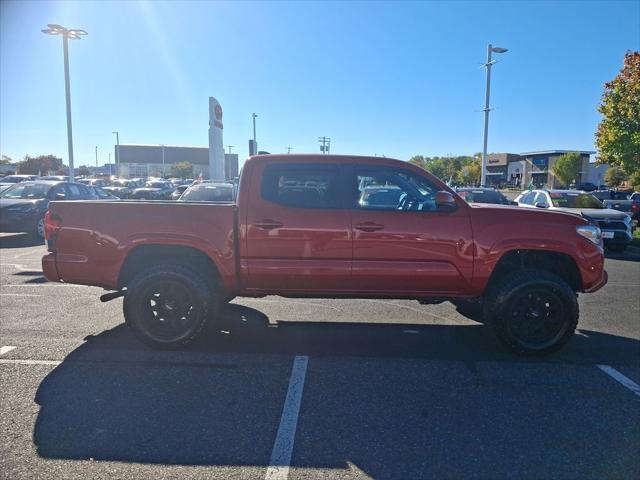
{"points": [[296, 388]]}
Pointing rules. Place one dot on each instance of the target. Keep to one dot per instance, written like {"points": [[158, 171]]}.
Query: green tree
{"points": [[634, 180], [614, 177], [42, 164], [567, 168], [182, 170], [470, 174], [618, 135]]}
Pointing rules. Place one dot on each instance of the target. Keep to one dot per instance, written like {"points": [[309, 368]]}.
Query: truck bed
{"points": [[96, 237]]}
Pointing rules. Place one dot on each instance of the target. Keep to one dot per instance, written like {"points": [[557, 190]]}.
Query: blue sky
{"points": [[397, 79]]}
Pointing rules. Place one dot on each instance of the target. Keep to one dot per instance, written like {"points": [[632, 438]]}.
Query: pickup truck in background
{"points": [[330, 226]]}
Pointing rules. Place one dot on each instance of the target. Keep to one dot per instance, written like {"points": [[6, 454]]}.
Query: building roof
{"points": [[551, 152]]}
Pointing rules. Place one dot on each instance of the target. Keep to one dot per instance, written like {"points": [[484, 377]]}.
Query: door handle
{"points": [[369, 226], [268, 224]]}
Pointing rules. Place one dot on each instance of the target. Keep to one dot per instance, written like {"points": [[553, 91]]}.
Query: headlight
{"points": [[590, 232]]}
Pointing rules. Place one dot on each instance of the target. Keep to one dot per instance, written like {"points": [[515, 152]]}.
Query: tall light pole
{"points": [[255, 143], [489, 64], [162, 160], [73, 34], [117, 134], [96, 158]]}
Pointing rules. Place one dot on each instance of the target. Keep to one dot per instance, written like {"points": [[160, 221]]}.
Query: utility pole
{"points": [[96, 157], [489, 64], [325, 148], [255, 142], [117, 134], [289, 150]]}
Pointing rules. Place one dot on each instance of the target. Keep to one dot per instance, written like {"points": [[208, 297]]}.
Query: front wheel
{"points": [[37, 231], [532, 311], [167, 306]]}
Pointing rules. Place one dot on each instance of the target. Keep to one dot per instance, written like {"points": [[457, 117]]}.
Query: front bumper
{"points": [[49, 268]]}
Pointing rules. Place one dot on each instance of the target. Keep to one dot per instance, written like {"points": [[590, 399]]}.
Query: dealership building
{"points": [[521, 169], [156, 161]]}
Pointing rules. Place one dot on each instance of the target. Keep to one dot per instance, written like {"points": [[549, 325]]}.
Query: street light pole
{"points": [[255, 143], [96, 158], [489, 64], [162, 160], [74, 34], [117, 134]]}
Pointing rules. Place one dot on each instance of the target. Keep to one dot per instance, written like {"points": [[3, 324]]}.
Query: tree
{"points": [[83, 171], [618, 135], [614, 177], [40, 165], [567, 168], [182, 170], [5, 160], [470, 174]]}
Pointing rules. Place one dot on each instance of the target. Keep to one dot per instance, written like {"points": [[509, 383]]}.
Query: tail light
{"points": [[52, 225]]}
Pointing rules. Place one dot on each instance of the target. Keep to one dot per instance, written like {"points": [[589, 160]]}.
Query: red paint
{"points": [[260, 247]]}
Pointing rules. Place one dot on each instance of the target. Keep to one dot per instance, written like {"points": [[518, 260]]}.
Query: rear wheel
{"points": [[167, 306], [532, 311], [38, 229]]}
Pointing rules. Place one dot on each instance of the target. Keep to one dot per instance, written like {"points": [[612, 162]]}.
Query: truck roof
{"points": [[319, 158]]}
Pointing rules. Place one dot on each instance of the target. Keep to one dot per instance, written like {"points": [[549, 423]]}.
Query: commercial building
{"points": [[538, 167], [156, 160], [504, 168]]}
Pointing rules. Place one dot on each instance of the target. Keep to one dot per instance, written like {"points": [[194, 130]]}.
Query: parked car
{"points": [[102, 194], [483, 195], [23, 205], [11, 179], [56, 178], [610, 195], [630, 207], [154, 190], [208, 192], [96, 182], [588, 187], [178, 191], [616, 227], [175, 262]]}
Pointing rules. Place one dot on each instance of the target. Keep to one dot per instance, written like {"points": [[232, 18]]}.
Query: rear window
{"points": [[484, 196], [303, 186], [208, 193]]}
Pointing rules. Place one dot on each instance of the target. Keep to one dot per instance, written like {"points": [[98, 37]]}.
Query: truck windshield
{"points": [[574, 200]]}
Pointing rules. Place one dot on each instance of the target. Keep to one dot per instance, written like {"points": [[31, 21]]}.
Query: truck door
{"points": [[298, 235], [401, 242]]}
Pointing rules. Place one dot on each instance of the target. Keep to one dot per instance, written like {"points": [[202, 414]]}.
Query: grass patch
{"points": [[636, 237]]}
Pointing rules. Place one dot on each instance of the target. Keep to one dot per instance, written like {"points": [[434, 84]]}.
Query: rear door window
{"points": [[302, 186]]}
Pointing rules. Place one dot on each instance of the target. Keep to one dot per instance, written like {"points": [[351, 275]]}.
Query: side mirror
{"points": [[541, 205], [445, 201]]}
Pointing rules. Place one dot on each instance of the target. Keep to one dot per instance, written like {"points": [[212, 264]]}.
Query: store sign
{"points": [[541, 162]]}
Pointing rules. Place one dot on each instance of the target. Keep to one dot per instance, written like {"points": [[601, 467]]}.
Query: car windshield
{"points": [[208, 193], [26, 190], [574, 200], [484, 196]]}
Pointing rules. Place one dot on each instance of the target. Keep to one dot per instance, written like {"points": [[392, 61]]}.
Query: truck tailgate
{"points": [[95, 237]]}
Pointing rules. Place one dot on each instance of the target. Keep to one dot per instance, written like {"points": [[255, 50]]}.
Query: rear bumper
{"points": [[49, 267]]}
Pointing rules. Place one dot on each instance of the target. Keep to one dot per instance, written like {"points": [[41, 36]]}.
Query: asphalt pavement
{"points": [[295, 388]]}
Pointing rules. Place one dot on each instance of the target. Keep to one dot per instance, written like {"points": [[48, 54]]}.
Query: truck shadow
{"points": [[219, 402], [19, 240]]}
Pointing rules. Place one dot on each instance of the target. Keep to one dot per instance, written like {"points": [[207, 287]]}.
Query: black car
{"points": [[483, 195], [23, 205], [154, 190], [588, 187]]}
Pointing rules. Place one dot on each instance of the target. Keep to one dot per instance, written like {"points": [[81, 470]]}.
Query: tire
{"points": [[168, 305], [37, 231], [532, 312]]}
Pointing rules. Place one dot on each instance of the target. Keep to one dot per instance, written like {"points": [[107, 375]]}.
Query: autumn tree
{"points": [[40, 165], [567, 168], [618, 135], [182, 170], [614, 177]]}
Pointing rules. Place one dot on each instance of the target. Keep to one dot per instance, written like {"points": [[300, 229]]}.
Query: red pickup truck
{"points": [[329, 226]]}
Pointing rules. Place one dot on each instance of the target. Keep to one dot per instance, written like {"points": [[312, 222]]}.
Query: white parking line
{"points": [[6, 361], [283, 445], [19, 295], [620, 378], [68, 285], [6, 349]]}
